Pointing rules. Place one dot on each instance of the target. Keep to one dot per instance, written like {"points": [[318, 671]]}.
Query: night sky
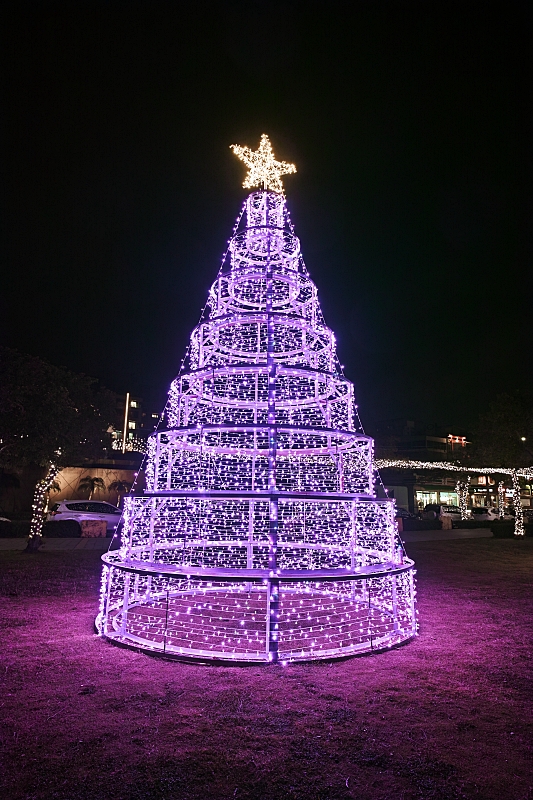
{"points": [[409, 123]]}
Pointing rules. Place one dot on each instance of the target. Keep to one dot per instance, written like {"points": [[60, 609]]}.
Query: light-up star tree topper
{"points": [[263, 169], [259, 536]]}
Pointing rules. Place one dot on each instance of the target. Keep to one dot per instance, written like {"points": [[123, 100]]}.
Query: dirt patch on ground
{"points": [[445, 717]]}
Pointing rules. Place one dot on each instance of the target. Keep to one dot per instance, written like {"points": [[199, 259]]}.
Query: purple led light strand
{"points": [[180, 371], [262, 372], [273, 583]]}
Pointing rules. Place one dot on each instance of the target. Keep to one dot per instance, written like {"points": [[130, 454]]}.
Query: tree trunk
{"points": [[34, 542], [39, 504]]}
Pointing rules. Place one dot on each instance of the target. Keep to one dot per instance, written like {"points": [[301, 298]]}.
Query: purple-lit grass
{"points": [[206, 622], [445, 718]]}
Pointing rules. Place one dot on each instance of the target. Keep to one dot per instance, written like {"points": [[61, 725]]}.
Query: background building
{"points": [[138, 422]]}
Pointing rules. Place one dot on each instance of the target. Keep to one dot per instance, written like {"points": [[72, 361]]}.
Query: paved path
{"points": [[439, 536], [101, 545]]}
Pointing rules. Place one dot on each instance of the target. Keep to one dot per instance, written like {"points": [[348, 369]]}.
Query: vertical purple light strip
{"points": [[273, 583]]}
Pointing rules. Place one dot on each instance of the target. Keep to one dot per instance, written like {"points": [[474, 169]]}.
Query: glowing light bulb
{"points": [[263, 170]]}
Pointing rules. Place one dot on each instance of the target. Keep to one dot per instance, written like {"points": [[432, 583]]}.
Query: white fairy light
{"points": [[134, 445], [446, 466], [40, 501], [260, 536], [501, 500], [263, 169], [461, 487], [517, 505]]}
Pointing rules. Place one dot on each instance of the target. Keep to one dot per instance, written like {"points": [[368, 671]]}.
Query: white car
{"points": [[437, 511], [483, 513], [79, 510]]}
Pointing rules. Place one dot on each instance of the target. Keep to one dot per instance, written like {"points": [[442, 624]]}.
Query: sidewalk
{"points": [[439, 536], [101, 545]]}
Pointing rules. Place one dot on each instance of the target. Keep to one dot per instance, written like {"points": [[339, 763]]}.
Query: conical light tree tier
{"points": [[260, 536]]}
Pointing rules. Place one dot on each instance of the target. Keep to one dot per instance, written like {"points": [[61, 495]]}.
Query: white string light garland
{"points": [[461, 488], [39, 502], [446, 466], [518, 510], [501, 500]]}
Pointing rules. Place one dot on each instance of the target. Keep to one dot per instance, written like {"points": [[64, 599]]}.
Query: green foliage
{"points": [[48, 413]]}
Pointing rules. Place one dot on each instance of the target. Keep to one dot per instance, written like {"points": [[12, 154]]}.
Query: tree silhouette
{"points": [[120, 487], [51, 417], [91, 485]]}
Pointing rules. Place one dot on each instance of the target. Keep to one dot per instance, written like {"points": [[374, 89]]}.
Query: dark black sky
{"points": [[410, 124]]}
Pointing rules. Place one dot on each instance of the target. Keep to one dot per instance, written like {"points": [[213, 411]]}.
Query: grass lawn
{"points": [[448, 716]]}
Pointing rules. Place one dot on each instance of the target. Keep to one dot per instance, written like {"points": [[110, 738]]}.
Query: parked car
{"points": [[437, 511], [487, 513], [79, 510], [401, 512]]}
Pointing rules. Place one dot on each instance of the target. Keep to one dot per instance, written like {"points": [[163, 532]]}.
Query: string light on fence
{"points": [[259, 536]]}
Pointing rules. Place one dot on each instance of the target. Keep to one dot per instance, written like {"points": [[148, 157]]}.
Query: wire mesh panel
{"points": [[259, 536]]}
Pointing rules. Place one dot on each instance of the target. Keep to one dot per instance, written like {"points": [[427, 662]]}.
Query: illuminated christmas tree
{"points": [[260, 536]]}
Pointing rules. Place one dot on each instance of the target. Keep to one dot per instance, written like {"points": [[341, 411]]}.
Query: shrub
{"points": [[472, 523], [412, 524], [66, 529], [505, 529], [502, 530], [16, 529]]}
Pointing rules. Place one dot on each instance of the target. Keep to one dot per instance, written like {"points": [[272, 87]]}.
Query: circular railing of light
{"points": [[222, 615]]}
